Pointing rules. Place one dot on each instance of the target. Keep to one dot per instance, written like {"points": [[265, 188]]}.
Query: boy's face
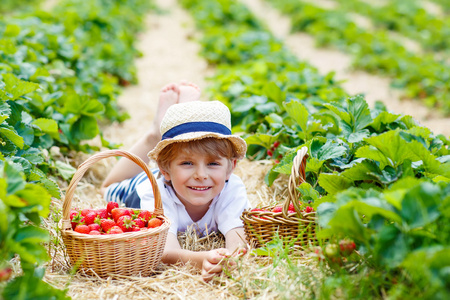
{"points": [[197, 178]]}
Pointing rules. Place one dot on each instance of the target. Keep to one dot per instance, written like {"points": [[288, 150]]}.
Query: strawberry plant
{"points": [[22, 205], [60, 75]]}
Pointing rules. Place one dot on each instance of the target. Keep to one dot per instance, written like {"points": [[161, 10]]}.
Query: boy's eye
{"points": [[214, 164], [186, 163]]}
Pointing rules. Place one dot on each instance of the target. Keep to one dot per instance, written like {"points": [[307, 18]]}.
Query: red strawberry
{"points": [[277, 209], [319, 254], [73, 213], [102, 213], [139, 222], [308, 209], [125, 223], [5, 274], [119, 212], [86, 211], [94, 226], [291, 206], [115, 230], [90, 218], [107, 224], [153, 223], [347, 247], [76, 220], [135, 228], [145, 214], [111, 205], [82, 229], [95, 232]]}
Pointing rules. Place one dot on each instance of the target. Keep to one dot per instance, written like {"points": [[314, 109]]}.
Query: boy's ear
{"points": [[165, 174], [233, 163]]}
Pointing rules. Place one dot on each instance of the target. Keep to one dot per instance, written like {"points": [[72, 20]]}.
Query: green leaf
{"points": [[37, 199], [356, 137], [361, 171], [308, 192], [333, 183], [330, 150], [31, 234], [383, 118], [299, 113], [31, 253], [46, 125], [51, 187], [375, 206], [314, 165], [11, 134], [5, 111], [85, 128], [15, 179], [11, 30], [65, 170], [17, 87], [92, 107], [420, 205], [359, 113], [273, 92], [347, 222], [265, 140], [389, 149], [392, 246]]}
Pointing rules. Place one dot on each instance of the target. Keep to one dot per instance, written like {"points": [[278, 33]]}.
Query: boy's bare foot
{"points": [[168, 96], [188, 92]]}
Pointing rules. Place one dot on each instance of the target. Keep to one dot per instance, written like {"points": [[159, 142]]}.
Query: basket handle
{"points": [[95, 158], [296, 178]]}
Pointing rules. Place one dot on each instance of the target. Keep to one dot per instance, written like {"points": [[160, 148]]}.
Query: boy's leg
{"points": [[125, 169]]}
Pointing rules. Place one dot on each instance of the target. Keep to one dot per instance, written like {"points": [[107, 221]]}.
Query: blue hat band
{"points": [[196, 127]]}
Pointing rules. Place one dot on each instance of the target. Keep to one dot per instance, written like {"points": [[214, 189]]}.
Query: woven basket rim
{"points": [[81, 170]]}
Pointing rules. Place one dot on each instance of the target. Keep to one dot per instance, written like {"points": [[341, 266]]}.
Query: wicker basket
{"points": [[298, 227], [130, 253]]}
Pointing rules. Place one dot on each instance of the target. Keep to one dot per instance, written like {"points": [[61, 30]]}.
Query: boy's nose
{"points": [[201, 173]]}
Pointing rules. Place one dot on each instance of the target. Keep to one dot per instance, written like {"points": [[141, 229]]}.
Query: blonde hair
{"points": [[210, 147]]}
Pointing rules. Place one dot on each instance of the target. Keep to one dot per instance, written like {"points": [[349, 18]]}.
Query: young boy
{"points": [[196, 156]]}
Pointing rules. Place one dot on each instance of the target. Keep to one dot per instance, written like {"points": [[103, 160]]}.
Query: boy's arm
{"points": [[235, 238]]}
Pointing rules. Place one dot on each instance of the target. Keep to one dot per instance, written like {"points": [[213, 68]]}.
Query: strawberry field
{"points": [[78, 77]]}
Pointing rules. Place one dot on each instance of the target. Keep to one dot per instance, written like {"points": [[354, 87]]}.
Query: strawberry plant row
{"points": [[283, 105], [12, 6], [60, 75], [410, 19], [421, 76]]}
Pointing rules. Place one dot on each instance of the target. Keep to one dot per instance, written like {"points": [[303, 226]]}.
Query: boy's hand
{"points": [[216, 259], [213, 263]]}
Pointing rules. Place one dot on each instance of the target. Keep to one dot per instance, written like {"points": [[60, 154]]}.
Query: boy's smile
{"points": [[197, 179]]}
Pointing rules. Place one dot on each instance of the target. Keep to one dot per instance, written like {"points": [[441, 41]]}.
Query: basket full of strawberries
{"points": [[293, 221], [114, 240]]}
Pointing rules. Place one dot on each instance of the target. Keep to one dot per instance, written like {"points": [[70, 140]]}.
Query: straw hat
{"points": [[195, 120]]}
